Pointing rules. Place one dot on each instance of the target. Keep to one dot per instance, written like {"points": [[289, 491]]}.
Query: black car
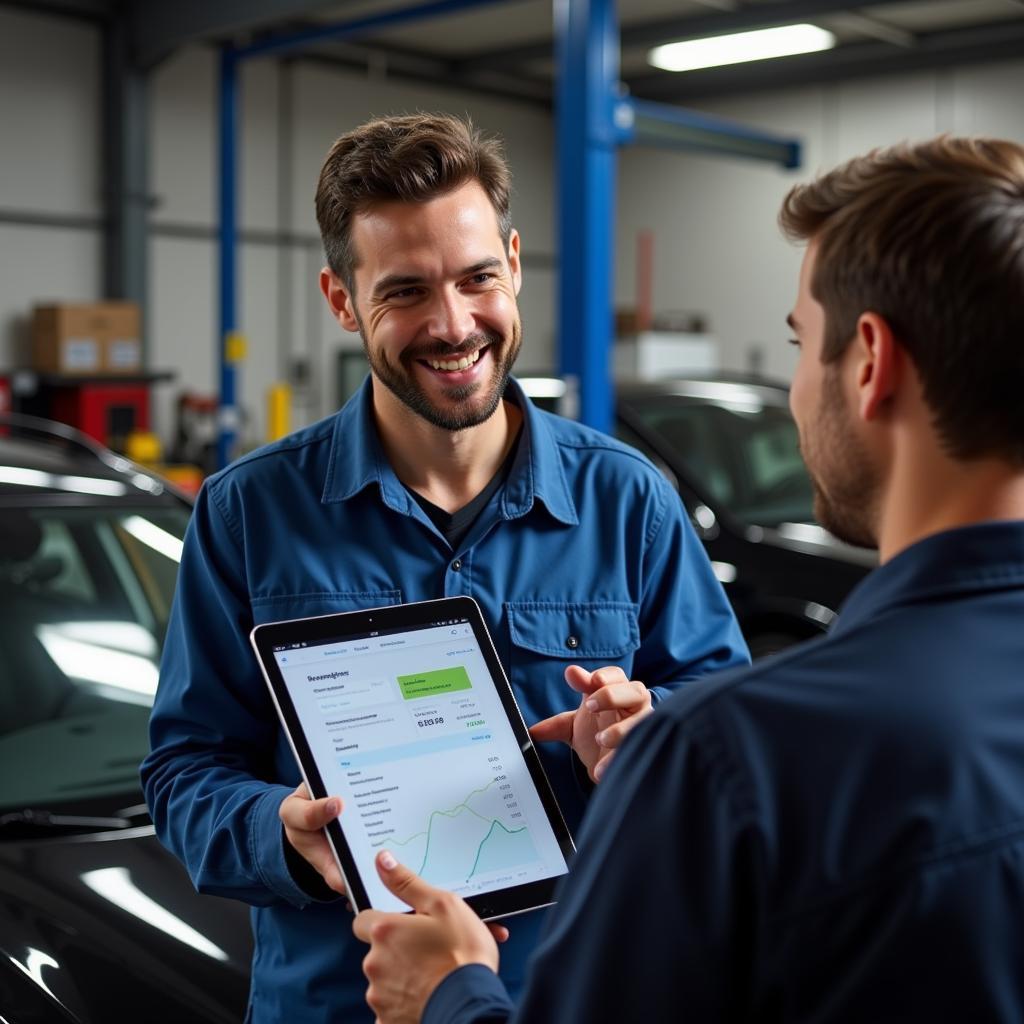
{"points": [[730, 447], [97, 920]]}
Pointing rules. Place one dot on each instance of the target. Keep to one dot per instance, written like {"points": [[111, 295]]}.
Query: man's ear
{"points": [[513, 260], [339, 299], [879, 365]]}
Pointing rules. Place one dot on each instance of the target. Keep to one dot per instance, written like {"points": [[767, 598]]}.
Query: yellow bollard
{"points": [[143, 447], [279, 410]]}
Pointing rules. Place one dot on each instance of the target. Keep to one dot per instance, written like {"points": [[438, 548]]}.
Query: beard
{"points": [[467, 405], [846, 482]]}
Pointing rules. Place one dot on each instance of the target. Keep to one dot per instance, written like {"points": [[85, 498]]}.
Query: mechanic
{"points": [[438, 478], [836, 834]]}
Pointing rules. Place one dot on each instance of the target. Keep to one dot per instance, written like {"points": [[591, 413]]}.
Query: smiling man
{"points": [[438, 478]]}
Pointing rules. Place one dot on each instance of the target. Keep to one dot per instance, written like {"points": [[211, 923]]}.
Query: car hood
{"points": [[94, 927]]}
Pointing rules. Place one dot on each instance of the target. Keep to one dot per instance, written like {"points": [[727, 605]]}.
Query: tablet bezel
{"points": [[419, 614]]}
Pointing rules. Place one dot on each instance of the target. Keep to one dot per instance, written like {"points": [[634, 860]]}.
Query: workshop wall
{"points": [[718, 251], [50, 198]]}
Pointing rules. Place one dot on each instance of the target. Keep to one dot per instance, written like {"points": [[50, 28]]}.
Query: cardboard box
{"points": [[87, 339]]}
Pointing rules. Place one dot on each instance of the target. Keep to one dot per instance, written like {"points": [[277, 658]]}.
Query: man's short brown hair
{"points": [[411, 158], [930, 236]]}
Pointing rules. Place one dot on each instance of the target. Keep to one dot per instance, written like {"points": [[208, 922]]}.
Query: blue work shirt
{"points": [[584, 556], [834, 835]]}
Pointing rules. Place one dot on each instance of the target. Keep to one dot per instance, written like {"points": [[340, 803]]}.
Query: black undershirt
{"points": [[455, 525]]}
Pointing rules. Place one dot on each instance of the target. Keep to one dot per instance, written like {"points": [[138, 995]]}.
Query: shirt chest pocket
{"points": [[545, 636], [277, 607]]}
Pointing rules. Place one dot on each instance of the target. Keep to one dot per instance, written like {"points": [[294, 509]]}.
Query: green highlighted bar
{"points": [[430, 684]]}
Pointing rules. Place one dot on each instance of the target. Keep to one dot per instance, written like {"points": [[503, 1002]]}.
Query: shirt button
{"points": [[572, 642], [457, 565]]}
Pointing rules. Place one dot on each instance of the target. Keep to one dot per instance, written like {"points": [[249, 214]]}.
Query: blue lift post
{"points": [[588, 61], [593, 119], [231, 344]]}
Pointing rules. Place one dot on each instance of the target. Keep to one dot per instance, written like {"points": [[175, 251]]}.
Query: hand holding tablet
{"points": [[406, 714], [305, 821]]}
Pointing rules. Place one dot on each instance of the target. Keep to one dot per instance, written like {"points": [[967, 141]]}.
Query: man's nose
{"points": [[451, 316]]}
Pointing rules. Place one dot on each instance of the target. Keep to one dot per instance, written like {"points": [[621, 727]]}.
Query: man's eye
{"points": [[794, 341], [481, 278], [402, 293]]}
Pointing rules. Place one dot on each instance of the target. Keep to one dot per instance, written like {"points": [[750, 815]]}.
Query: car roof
{"points": [[41, 460], [724, 387]]}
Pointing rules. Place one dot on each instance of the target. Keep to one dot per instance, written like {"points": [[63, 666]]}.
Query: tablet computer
{"points": [[406, 713]]}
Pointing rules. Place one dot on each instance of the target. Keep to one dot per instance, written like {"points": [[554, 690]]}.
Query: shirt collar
{"points": [[537, 471], [980, 557], [357, 461]]}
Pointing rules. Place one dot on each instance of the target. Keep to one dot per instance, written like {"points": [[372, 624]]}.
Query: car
{"points": [[730, 447], [97, 920]]}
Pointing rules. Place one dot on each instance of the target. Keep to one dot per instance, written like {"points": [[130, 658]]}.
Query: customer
{"points": [[836, 834]]}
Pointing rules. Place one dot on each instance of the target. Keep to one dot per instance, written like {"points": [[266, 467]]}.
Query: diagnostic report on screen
{"points": [[409, 730]]}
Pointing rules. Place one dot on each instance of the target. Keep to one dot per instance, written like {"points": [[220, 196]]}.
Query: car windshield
{"points": [[740, 452], [85, 594]]}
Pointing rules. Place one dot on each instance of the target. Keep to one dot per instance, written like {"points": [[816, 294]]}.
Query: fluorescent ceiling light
{"points": [[761, 44]]}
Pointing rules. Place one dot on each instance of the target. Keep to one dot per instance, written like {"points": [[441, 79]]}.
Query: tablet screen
{"points": [[407, 726]]}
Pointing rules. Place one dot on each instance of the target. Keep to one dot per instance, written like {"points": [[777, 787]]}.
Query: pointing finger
{"points": [[578, 678], [557, 727]]}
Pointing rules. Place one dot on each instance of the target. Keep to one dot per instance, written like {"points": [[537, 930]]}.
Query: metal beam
{"points": [[125, 172], [658, 124], [159, 28], [874, 28], [360, 26], [981, 44], [534, 92], [84, 10], [662, 30]]}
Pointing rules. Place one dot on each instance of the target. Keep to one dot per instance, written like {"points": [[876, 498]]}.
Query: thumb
{"points": [[580, 679], [402, 882]]}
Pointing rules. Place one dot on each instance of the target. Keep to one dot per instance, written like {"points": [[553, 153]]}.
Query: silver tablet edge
{"points": [[302, 770]]}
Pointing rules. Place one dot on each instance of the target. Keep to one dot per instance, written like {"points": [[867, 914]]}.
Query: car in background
{"points": [[730, 447], [97, 921]]}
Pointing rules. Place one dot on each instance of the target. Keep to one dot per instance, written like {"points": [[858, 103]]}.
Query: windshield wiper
{"points": [[41, 819]]}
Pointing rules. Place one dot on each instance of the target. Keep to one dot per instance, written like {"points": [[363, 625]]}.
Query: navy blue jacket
{"points": [[585, 555], [836, 834]]}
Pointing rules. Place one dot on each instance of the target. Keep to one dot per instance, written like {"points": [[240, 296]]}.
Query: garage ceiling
{"points": [[506, 47]]}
